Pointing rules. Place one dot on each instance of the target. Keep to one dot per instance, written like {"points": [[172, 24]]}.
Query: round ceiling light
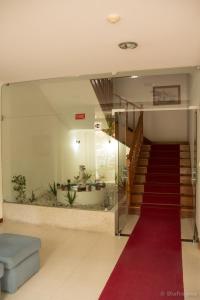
{"points": [[128, 45], [113, 18]]}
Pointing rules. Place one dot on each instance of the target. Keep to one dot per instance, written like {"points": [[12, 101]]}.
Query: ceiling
{"points": [[58, 38]]}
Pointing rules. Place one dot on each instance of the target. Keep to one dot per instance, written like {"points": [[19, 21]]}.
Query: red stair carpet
{"points": [[150, 266]]}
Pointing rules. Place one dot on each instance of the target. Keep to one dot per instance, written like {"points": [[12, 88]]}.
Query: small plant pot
{"points": [[74, 187], [81, 188]]}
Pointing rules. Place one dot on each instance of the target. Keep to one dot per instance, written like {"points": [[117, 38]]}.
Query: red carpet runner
{"points": [[150, 266]]}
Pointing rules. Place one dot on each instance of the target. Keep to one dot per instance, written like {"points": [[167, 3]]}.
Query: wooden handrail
{"points": [[103, 89], [128, 102], [132, 159]]}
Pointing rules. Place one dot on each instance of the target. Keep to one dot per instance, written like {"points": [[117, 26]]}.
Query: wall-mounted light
{"points": [[110, 146], [76, 144]]}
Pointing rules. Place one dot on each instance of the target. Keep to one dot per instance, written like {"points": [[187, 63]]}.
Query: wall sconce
{"points": [[110, 146], [76, 145]]}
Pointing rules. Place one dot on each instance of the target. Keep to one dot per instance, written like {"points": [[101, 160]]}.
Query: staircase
{"points": [[157, 173], [163, 176]]}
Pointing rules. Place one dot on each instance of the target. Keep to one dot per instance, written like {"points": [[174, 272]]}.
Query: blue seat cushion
{"points": [[1, 270], [14, 248]]}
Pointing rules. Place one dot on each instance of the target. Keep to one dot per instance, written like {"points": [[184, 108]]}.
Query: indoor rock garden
{"points": [[81, 192]]}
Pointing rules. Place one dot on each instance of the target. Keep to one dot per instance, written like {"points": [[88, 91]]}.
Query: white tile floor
{"points": [[75, 264]]}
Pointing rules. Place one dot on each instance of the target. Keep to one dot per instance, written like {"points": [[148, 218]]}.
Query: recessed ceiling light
{"points": [[128, 45], [134, 76], [113, 18]]}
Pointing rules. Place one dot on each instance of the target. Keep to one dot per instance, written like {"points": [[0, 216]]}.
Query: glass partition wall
{"points": [[122, 178], [59, 147]]}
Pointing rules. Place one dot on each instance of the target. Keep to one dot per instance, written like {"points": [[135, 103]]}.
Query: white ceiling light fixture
{"points": [[134, 76], [113, 18], [128, 45]]}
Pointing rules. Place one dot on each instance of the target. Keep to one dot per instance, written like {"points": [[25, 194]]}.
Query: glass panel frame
{"points": [[122, 173]]}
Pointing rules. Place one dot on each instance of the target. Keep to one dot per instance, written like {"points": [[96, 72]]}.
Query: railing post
{"points": [[134, 154]]}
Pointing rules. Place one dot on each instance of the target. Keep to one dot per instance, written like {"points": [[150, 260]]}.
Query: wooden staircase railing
{"points": [[109, 100], [130, 111], [134, 153], [134, 134]]}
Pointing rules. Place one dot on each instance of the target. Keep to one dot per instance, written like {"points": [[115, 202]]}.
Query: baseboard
{"points": [[1, 220]]}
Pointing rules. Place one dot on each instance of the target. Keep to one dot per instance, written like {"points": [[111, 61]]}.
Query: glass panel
{"points": [[193, 149], [131, 117], [122, 210], [190, 223], [58, 147]]}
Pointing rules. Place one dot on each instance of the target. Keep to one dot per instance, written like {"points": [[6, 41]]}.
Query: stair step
{"points": [[185, 148], [186, 212], [146, 147], [163, 188], [183, 170], [184, 162], [142, 178], [163, 174], [167, 154], [137, 199]]}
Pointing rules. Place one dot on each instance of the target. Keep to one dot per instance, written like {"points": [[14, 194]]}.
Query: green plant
{"points": [[53, 189], [19, 187], [33, 197], [86, 176], [71, 196], [77, 179], [68, 184]]}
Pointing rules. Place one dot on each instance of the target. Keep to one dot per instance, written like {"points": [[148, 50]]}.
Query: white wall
{"points": [[166, 126], [158, 126], [71, 154]]}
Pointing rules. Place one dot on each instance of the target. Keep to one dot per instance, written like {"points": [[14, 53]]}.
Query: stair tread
{"points": [[181, 206], [167, 183], [163, 177], [142, 193], [161, 183], [160, 174]]}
